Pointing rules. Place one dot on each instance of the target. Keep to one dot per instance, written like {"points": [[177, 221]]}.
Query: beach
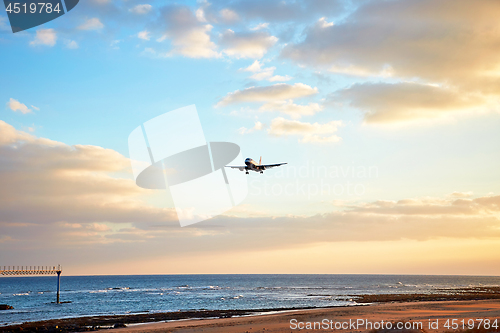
{"points": [[410, 316], [408, 312], [443, 309]]}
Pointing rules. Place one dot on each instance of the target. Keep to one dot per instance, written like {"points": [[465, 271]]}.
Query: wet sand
{"points": [[412, 312]]}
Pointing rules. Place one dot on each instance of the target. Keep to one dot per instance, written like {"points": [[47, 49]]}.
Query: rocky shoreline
{"points": [[82, 324], [462, 294]]}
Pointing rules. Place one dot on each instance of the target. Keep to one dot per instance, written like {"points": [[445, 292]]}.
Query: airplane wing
{"points": [[241, 168], [269, 166]]}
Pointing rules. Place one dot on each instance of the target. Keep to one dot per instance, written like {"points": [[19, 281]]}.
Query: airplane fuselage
{"points": [[252, 165]]}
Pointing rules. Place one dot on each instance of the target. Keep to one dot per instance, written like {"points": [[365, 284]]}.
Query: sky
{"points": [[386, 112]]}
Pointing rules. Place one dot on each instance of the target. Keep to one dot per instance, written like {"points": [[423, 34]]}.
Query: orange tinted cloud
{"points": [[450, 44]]}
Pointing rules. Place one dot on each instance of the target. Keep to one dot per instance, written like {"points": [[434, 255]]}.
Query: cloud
{"points": [[93, 245], [91, 24], [282, 11], [141, 9], [415, 219], [9, 135], [385, 72], [246, 44], [200, 15], [189, 37], [255, 67], [277, 78], [294, 110], [260, 26], [451, 44], [322, 22], [309, 133], [146, 35], [276, 92], [114, 44], [71, 44], [461, 194], [264, 73], [229, 16], [440, 43], [405, 101], [46, 37], [46, 182], [17, 106], [407, 219], [258, 126], [433, 207]]}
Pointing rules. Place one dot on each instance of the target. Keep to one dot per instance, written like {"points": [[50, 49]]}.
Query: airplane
{"points": [[252, 165]]}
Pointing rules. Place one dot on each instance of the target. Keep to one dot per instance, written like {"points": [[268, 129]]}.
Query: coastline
{"points": [[458, 303], [406, 312]]}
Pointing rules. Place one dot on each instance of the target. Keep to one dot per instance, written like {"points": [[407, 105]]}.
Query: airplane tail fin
{"points": [[260, 161]]}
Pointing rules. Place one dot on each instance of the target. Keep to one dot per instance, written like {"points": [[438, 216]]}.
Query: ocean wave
{"points": [[118, 288], [212, 288], [98, 291]]}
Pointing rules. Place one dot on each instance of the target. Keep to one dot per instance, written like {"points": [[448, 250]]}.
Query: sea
{"points": [[33, 298]]}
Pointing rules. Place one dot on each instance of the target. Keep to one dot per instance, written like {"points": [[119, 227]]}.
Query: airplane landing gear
{"points": [[262, 172], [246, 172]]}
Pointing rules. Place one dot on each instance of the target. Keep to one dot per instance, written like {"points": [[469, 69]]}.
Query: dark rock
{"points": [[6, 307], [119, 325]]}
